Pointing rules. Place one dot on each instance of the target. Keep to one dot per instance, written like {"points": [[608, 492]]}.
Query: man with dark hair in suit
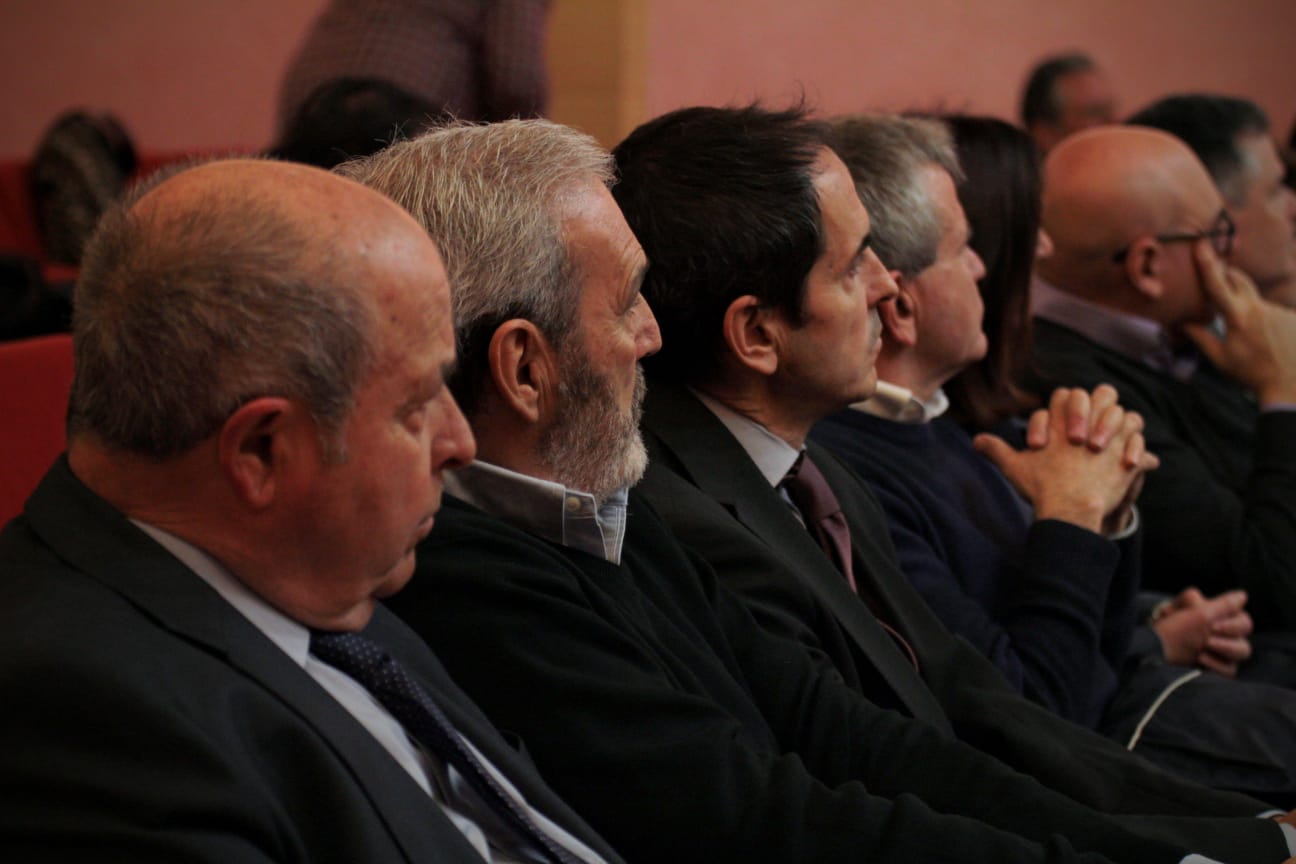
{"points": [[1232, 138], [646, 692], [194, 666], [768, 326]]}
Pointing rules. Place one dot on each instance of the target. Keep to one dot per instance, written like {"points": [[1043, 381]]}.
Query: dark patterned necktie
{"points": [[823, 517], [393, 686]]}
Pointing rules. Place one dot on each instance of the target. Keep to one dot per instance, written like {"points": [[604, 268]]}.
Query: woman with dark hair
{"points": [[1000, 194]]}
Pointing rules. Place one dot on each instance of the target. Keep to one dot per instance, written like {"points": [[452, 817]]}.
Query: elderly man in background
{"points": [[1233, 139], [1137, 275], [194, 664], [1044, 587]]}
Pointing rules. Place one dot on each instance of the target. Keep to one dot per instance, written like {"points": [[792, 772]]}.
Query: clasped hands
{"points": [[1084, 463]]}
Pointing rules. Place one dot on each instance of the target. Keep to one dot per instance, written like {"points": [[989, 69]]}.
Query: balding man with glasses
{"points": [[1139, 293]]}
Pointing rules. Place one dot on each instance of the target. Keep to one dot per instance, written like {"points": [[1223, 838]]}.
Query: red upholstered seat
{"points": [[35, 377], [18, 232]]}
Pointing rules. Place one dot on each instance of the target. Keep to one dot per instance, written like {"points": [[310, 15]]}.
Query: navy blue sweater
{"points": [[1050, 604]]}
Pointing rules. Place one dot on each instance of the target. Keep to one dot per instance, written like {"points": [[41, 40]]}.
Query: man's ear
{"points": [[524, 368], [259, 441], [900, 313], [753, 332], [1143, 267]]}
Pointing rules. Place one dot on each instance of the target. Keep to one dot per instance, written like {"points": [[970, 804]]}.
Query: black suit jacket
{"points": [[715, 500], [685, 732], [145, 719]]}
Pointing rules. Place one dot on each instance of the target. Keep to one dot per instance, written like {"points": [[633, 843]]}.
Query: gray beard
{"points": [[592, 447]]}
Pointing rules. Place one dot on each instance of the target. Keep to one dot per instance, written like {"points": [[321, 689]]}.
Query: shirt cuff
{"points": [[1289, 831], [1130, 529]]}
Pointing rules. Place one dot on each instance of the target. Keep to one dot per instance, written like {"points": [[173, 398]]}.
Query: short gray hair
{"points": [[885, 155], [183, 315], [490, 195]]}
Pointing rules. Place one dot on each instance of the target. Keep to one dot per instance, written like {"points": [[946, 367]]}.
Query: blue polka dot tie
{"points": [[393, 686]]}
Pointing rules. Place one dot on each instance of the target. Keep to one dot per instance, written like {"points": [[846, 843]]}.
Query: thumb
{"points": [[996, 450]]}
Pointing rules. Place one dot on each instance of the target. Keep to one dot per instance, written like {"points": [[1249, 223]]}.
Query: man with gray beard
{"points": [[649, 694]]}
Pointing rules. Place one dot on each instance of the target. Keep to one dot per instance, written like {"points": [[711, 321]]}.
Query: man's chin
{"points": [[866, 389], [397, 577]]}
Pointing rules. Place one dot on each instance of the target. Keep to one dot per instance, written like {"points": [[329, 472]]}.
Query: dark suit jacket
{"points": [[684, 732], [145, 719], [709, 491], [1220, 512]]}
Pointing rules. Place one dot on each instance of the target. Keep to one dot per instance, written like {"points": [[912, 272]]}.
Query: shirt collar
{"points": [[1140, 339], [291, 637], [549, 510], [899, 404], [773, 456]]}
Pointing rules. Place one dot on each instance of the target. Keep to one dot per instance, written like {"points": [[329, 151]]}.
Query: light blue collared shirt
{"points": [[549, 510]]}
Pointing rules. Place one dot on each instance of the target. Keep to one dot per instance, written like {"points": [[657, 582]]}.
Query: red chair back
{"points": [[35, 378]]}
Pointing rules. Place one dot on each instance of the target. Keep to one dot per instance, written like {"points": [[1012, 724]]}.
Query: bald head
{"points": [[223, 282], [1105, 190], [319, 211]]}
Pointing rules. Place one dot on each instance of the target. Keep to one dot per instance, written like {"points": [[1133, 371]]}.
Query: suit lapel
{"points": [[470, 722], [98, 540], [716, 463], [871, 540]]}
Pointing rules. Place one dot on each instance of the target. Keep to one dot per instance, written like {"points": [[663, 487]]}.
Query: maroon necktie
{"points": [[825, 521], [822, 513]]}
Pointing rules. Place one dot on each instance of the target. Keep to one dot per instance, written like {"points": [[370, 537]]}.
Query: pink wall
{"points": [[850, 55], [203, 73], [180, 74]]}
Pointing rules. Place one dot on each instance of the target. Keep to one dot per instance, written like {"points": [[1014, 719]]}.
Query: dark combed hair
{"points": [[1000, 193], [1211, 125], [723, 202], [1039, 102]]}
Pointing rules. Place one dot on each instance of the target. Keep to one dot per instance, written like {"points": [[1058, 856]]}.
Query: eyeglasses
{"points": [[1221, 235]]}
